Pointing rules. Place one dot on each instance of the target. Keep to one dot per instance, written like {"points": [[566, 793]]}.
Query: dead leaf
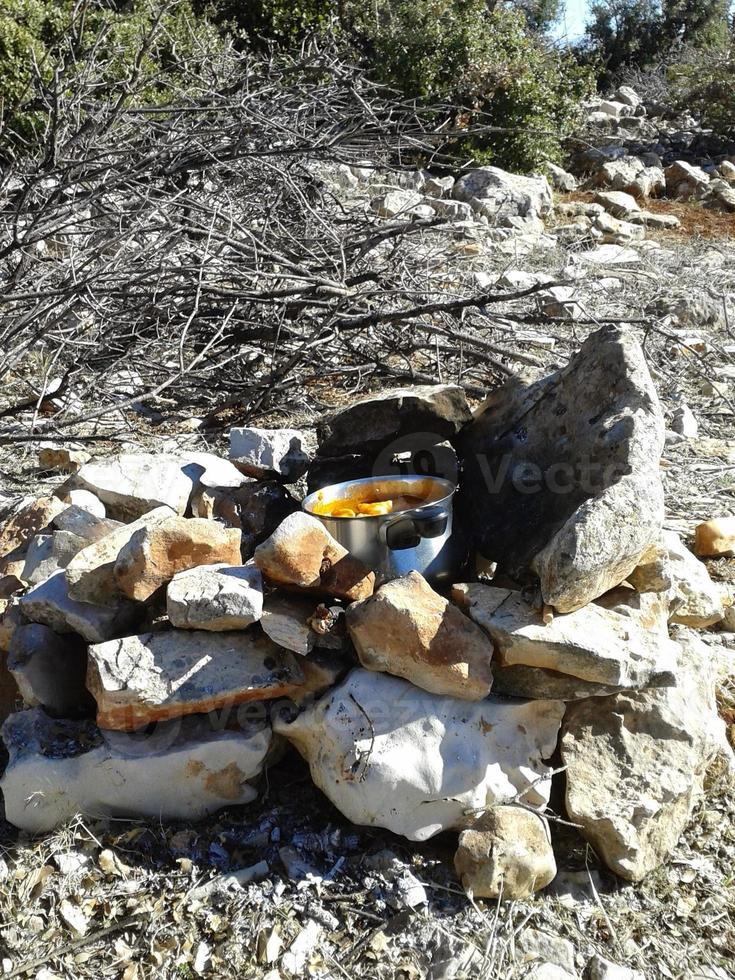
{"points": [[37, 881], [269, 945], [74, 917], [111, 864]]}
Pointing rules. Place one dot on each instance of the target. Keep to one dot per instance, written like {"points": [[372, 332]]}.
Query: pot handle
{"points": [[405, 531]]}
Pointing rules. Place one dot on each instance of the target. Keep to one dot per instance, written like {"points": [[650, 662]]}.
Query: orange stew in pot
{"points": [[375, 507]]}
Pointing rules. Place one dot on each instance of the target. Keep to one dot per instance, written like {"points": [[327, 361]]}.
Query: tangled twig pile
{"points": [[195, 248]]}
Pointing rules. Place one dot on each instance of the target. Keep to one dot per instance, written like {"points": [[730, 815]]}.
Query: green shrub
{"points": [[480, 64], [140, 46], [459, 52], [702, 81], [27, 27], [471, 54], [636, 34], [283, 22]]}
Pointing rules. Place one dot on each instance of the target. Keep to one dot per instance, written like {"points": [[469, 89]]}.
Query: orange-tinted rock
{"points": [[90, 575], [302, 554], [506, 854], [155, 676], [63, 459], [34, 517], [715, 538], [411, 631], [156, 553]]}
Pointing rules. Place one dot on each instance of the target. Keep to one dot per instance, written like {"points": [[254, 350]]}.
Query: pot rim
{"points": [[449, 487]]}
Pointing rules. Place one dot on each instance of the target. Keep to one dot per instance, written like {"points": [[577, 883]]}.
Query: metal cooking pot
{"points": [[419, 539]]}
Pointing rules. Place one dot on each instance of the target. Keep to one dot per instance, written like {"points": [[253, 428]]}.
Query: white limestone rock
{"points": [[561, 179], [396, 203], [50, 604], [628, 96], [614, 109], [452, 210], [616, 232], [132, 484], [682, 173], [560, 301], [215, 597], [153, 677], [47, 553], [390, 755], [437, 186], [592, 643], [636, 763], [84, 523], [499, 194], [618, 203], [695, 600], [86, 500], [286, 620], [208, 471], [535, 946], [685, 422], [600, 968], [184, 770], [269, 452], [608, 255]]}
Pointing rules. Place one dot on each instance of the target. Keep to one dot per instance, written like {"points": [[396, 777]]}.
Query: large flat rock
{"points": [[390, 755], [636, 764], [184, 770], [131, 484], [156, 676], [593, 644], [561, 484]]}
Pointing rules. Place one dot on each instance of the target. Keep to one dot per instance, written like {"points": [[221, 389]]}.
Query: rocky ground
{"points": [[316, 895]]}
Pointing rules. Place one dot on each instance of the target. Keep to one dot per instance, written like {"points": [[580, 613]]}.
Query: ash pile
{"points": [[173, 624]]}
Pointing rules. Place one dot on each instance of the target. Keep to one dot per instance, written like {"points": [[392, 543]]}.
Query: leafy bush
{"points": [[483, 61], [480, 61], [702, 81], [635, 34], [284, 22], [135, 46]]}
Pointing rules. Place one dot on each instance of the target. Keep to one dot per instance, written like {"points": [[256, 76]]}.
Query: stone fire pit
{"points": [[174, 623]]}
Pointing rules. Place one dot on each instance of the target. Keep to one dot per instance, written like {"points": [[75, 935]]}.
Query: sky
{"points": [[573, 20]]}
